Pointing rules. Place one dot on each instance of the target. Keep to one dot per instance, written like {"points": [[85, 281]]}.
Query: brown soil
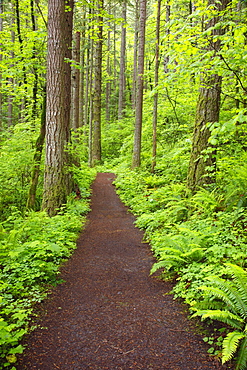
{"points": [[110, 314]]}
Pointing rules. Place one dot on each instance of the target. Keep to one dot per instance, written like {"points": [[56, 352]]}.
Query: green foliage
{"points": [[230, 296], [16, 162], [32, 247]]}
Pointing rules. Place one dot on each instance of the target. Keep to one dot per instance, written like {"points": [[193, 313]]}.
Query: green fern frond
{"points": [[230, 345], [220, 315], [239, 276], [158, 265], [241, 363], [168, 249], [233, 297], [195, 254], [223, 294]]}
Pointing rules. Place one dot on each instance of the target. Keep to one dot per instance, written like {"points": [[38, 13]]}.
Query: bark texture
{"points": [[202, 166], [57, 118], [96, 145], [156, 82], [76, 83], [136, 159], [122, 80], [37, 159]]}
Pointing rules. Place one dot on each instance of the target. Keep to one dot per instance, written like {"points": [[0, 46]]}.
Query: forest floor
{"points": [[109, 313]]}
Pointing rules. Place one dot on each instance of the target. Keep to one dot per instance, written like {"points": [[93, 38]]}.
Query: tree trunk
{"points": [[10, 80], [108, 71], [135, 55], [202, 166], [76, 83], [166, 57], [136, 159], [19, 36], [203, 155], [96, 146], [90, 89], [156, 82], [67, 31], [37, 159], [1, 58], [57, 129], [82, 74], [122, 80], [35, 69]]}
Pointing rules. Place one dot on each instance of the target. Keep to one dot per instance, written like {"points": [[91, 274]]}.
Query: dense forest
{"points": [[154, 91]]}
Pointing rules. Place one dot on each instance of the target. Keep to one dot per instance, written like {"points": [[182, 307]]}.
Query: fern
{"points": [[226, 291], [220, 315], [233, 297], [241, 363], [240, 279], [230, 345]]}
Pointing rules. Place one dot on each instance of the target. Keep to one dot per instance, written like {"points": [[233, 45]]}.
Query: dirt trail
{"points": [[109, 314]]}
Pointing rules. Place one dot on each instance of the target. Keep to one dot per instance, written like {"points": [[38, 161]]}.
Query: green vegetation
{"points": [[189, 190], [32, 245]]}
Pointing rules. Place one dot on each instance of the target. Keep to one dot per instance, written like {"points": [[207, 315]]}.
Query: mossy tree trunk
{"points": [[37, 159], [202, 166]]}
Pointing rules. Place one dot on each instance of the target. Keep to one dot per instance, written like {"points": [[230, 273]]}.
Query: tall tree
{"points": [[76, 82], [156, 82], [136, 158], [202, 166], [136, 36], [1, 58], [96, 145], [122, 80], [57, 123]]}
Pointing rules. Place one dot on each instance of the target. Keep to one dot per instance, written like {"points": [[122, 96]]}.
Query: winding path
{"points": [[110, 314]]}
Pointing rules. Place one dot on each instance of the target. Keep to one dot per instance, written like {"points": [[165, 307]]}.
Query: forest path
{"points": [[110, 314]]}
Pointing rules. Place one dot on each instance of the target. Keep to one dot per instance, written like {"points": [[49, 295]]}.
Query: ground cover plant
{"points": [[32, 247], [193, 236]]}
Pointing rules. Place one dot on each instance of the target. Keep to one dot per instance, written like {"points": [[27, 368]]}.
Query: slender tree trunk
{"points": [[88, 79], [202, 166], [135, 54], [35, 70], [115, 58], [68, 31], [10, 80], [19, 35], [1, 58], [76, 83], [96, 146], [37, 159], [136, 159], [108, 71], [156, 82], [91, 75], [166, 57], [82, 107], [122, 80]]}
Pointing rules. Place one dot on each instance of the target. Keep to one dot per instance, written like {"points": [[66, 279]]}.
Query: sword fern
{"points": [[230, 297]]}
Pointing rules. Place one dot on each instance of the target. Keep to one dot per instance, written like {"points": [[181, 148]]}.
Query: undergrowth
{"points": [[191, 236], [32, 247]]}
